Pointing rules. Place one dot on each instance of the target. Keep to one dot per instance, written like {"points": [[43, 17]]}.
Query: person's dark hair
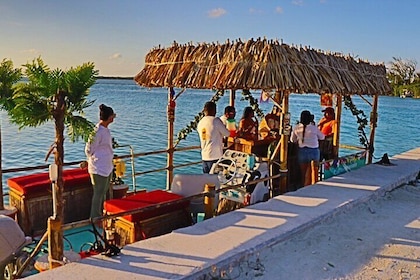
{"points": [[247, 112], [305, 118], [105, 112], [210, 108], [229, 109]]}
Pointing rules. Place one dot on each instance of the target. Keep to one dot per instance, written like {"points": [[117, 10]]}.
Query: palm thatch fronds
{"points": [[260, 64]]}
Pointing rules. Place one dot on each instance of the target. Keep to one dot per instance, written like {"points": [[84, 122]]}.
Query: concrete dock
{"points": [[208, 248]]}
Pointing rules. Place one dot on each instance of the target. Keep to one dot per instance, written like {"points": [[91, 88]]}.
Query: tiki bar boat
{"points": [[242, 68]]}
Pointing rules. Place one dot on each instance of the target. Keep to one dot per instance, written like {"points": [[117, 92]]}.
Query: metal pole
{"points": [[133, 172]]}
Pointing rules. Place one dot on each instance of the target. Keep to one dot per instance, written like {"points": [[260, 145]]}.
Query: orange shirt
{"points": [[326, 126]]}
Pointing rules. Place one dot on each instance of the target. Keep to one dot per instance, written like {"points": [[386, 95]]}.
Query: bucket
{"points": [[119, 191]]}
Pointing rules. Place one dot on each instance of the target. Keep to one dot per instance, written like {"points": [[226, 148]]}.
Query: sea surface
{"points": [[141, 123]]}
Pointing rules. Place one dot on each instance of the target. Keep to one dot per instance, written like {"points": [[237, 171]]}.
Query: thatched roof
{"points": [[261, 64]]}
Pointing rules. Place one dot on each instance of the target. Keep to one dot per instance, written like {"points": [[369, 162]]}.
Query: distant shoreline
{"points": [[114, 78]]}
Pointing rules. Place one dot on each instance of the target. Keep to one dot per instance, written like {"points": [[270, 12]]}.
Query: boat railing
{"points": [[132, 156], [208, 205], [136, 173], [210, 194]]}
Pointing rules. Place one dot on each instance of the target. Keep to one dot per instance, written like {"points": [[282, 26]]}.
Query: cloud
{"points": [[215, 13], [297, 2], [31, 51], [279, 10], [115, 56], [254, 11]]}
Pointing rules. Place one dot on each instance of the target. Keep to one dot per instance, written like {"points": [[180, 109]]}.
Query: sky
{"points": [[116, 35]]}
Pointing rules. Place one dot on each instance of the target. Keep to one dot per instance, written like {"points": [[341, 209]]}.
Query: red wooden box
{"points": [[153, 222], [31, 195]]}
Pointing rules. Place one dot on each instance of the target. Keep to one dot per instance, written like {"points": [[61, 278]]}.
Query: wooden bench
{"points": [[31, 195], [149, 223]]}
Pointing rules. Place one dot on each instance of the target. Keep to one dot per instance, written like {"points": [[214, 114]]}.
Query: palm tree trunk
{"points": [[55, 242]]}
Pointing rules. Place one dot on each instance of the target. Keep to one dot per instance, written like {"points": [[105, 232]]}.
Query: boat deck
{"points": [[210, 247]]}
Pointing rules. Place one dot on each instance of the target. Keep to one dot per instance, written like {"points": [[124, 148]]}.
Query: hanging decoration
{"points": [[361, 120], [252, 102], [326, 100], [265, 96], [192, 126]]}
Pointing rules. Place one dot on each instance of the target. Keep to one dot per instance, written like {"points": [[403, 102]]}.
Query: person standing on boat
{"points": [[100, 155], [327, 126], [211, 132], [307, 135], [327, 123]]}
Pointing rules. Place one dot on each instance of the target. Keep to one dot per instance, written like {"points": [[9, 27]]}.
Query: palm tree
{"points": [[8, 78], [59, 96]]}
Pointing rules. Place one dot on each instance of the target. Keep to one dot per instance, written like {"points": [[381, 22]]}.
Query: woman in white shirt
{"points": [[307, 135], [100, 155]]}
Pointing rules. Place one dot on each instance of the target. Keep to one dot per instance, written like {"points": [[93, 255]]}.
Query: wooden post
{"points": [[284, 140], [171, 120], [314, 172], [338, 112], [209, 201], [373, 123], [55, 237], [232, 97]]}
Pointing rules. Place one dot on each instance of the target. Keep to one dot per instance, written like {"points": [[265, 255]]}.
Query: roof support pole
{"points": [[232, 97], [284, 140], [170, 110], [373, 123], [338, 112]]}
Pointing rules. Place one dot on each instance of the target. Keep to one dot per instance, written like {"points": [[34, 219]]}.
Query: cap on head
{"points": [[328, 110]]}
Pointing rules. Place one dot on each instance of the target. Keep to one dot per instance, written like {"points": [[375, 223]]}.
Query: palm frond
{"points": [[9, 76], [78, 127], [79, 80]]}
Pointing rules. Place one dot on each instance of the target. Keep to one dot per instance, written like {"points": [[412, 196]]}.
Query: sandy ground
{"points": [[379, 239]]}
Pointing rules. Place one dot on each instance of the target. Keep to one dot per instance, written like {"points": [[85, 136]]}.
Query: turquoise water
{"points": [[141, 122]]}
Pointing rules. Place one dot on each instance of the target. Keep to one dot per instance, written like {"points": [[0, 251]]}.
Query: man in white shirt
{"points": [[211, 131]]}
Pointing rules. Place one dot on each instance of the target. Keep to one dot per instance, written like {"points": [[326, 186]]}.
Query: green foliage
{"points": [[414, 88], [35, 101], [79, 127], [401, 75], [192, 126], [8, 78], [253, 103], [361, 120]]}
